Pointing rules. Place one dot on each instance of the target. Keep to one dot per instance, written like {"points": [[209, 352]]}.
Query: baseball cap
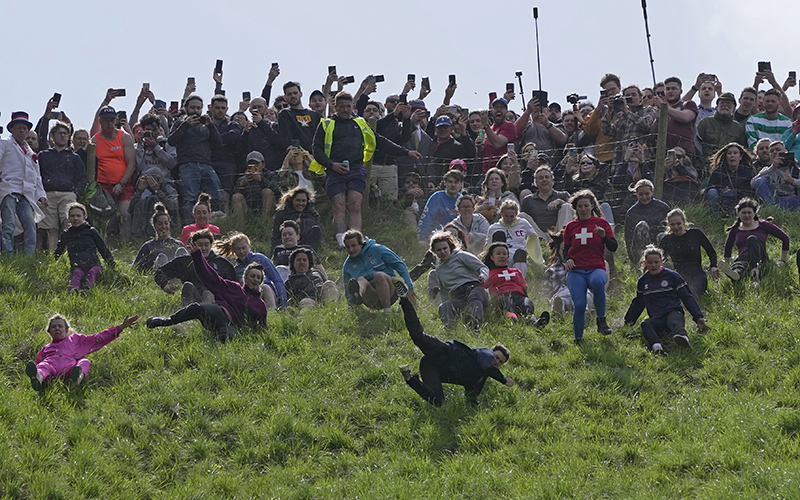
{"points": [[108, 112], [417, 104], [444, 121], [500, 100], [255, 156]]}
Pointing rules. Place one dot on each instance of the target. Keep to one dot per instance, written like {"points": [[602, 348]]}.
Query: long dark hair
{"points": [[556, 239], [487, 255], [745, 203], [720, 158]]}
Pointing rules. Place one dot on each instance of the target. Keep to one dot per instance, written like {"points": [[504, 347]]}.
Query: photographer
{"points": [[193, 137], [153, 154], [223, 159], [603, 144], [535, 126], [627, 120], [150, 189], [779, 183]]}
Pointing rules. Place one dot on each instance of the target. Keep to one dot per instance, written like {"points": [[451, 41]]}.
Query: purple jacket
{"points": [[239, 301]]}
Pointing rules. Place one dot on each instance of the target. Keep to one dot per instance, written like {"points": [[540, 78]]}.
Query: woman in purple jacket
{"points": [[750, 234], [233, 303]]}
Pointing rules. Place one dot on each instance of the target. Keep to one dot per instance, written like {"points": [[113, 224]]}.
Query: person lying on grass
{"points": [[451, 363], [233, 303], [507, 287], [64, 356], [661, 291]]}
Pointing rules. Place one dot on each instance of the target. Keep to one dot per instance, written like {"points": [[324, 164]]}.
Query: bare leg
{"points": [[125, 220], [339, 217], [269, 297], [354, 207], [238, 204], [267, 201], [52, 239]]}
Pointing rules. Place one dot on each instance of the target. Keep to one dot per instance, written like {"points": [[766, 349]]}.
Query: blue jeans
{"points": [[578, 281], [12, 206], [196, 176], [724, 201], [767, 194]]}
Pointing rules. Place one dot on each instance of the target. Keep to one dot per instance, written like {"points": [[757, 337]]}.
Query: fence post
{"points": [[91, 163], [661, 150]]}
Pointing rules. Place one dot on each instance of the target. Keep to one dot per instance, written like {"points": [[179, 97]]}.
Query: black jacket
{"points": [[182, 268], [82, 244]]}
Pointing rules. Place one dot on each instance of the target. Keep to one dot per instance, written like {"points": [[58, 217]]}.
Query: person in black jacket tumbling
{"points": [[450, 362], [661, 291]]}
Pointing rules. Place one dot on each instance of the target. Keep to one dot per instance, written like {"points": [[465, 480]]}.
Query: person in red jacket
{"points": [[65, 355], [508, 288]]}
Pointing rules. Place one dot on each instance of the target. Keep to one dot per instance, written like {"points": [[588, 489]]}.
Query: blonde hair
{"points": [[58, 316], [224, 246]]}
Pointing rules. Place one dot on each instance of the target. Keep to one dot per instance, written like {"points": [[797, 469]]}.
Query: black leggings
{"points": [[673, 322], [756, 254], [430, 387], [211, 316], [515, 302]]}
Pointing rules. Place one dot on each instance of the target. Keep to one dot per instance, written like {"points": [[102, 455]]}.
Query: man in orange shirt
{"points": [[116, 161]]}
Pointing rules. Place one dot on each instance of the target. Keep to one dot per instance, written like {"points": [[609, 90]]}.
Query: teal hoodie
{"points": [[373, 258]]}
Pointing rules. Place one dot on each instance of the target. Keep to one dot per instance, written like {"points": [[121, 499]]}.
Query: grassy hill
{"points": [[314, 407]]}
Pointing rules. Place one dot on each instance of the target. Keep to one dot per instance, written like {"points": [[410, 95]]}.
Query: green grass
{"points": [[314, 407]]}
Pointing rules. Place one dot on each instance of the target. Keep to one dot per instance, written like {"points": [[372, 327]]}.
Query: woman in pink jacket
{"points": [[64, 356]]}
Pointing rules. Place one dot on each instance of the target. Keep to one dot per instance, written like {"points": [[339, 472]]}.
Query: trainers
{"points": [[728, 271], [558, 305], [406, 371], [510, 315], [659, 349], [154, 322], [355, 290], [602, 326], [755, 275], [400, 286], [543, 320], [33, 373], [681, 340], [76, 376]]}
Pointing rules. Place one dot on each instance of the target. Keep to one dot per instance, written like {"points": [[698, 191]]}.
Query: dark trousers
{"points": [[471, 295], [516, 303], [695, 277], [673, 322], [756, 254], [211, 316], [430, 387]]}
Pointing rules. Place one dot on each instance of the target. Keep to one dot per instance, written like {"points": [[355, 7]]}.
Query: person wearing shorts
{"points": [[116, 162]]}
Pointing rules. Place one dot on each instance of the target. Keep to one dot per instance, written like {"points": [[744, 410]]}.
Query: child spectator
{"points": [[64, 356], [82, 243], [661, 291], [201, 213], [507, 286]]}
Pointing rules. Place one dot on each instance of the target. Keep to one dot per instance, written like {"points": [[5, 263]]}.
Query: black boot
{"points": [[602, 326], [155, 322]]}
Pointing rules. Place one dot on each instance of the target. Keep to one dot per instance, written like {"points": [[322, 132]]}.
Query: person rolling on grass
{"points": [[238, 244], [750, 234], [450, 363], [82, 243], [306, 285], [373, 275], [585, 240], [508, 288], [161, 249], [65, 355], [233, 305], [661, 291]]}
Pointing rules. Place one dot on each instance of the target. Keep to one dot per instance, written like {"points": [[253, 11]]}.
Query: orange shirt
{"points": [[111, 162]]}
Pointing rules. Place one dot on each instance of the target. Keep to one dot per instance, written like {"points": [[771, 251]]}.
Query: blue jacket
{"points": [[662, 294], [373, 258], [790, 140], [271, 276], [439, 210], [62, 171]]}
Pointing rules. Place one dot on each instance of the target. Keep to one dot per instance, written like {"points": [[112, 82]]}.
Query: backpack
{"points": [[98, 201]]}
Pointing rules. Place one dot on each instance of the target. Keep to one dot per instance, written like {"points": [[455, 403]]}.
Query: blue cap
{"points": [[444, 121]]}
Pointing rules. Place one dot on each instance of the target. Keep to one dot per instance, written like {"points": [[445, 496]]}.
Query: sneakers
{"points": [[543, 320], [399, 286], [659, 349], [406, 371], [558, 305], [355, 290], [510, 315], [33, 373], [681, 340], [728, 271], [755, 275], [155, 322], [76, 376], [602, 326]]}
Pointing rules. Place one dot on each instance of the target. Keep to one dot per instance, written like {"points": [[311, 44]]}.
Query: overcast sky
{"points": [[81, 48]]}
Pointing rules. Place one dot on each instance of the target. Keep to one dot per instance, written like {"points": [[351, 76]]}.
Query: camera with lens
{"points": [[574, 98], [148, 133]]}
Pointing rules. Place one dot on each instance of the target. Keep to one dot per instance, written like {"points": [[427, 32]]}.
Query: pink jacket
{"points": [[69, 350]]}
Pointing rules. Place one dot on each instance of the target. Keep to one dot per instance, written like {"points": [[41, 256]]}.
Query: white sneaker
{"points": [[659, 349], [400, 286], [681, 340], [406, 371]]}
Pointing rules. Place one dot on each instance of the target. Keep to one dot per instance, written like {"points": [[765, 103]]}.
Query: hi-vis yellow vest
{"points": [[366, 131]]}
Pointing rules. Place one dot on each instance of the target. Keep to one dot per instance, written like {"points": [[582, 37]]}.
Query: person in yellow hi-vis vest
{"points": [[341, 147]]}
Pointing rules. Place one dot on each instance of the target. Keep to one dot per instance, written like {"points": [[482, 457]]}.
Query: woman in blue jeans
{"points": [[585, 240]]}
